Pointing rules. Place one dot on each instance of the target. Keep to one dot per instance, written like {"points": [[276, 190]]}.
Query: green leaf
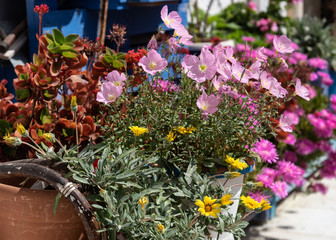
{"points": [[125, 175], [69, 54], [80, 179], [56, 201], [108, 58], [71, 38], [4, 126], [65, 47], [22, 94], [117, 64], [58, 36]]}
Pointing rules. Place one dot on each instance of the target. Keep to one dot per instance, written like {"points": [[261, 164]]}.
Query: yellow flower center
{"points": [[205, 107], [152, 65], [111, 97], [117, 84], [203, 67], [208, 208]]}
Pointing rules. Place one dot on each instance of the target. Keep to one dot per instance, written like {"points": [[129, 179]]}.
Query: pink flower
{"points": [[318, 187], [301, 90], [290, 172], [313, 77], [299, 56], [267, 176], [285, 123], [290, 156], [274, 27], [293, 115], [269, 37], [153, 62], [240, 73], [260, 54], [280, 189], [173, 44], [171, 20], [152, 44], [266, 81], [164, 86], [116, 78], [208, 104], [290, 139], [277, 90], [305, 147], [204, 68], [283, 65], [248, 39], [183, 35], [318, 63], [252, 6], [283, 44], [266, 150], [108, 93], [333, 98]]}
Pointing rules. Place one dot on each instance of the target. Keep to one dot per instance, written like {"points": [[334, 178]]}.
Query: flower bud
{"points": [[73, 104], [21, 129]]}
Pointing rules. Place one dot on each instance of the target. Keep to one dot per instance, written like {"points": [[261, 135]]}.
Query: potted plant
{"points": [[151, 173]]}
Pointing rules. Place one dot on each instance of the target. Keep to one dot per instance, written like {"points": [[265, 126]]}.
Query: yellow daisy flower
{"points": [[183, 130], [250, 203], [265, 204], [235, 163], [160, 228], [208, 207], [12, 141], [48, 136], [171, 136], [226, 199], [21, 129], [138, 130], [235, 174], [143, 202]]}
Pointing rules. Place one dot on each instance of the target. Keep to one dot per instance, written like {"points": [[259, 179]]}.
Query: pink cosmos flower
{"points": [[208, 104], [286, 123], [203, 68], [171, 20], [108, 93], [283, 44], [266, 150], [301, 90], [116, 78], [152, 44], [280, 189], [153, 62], [290, 139]]}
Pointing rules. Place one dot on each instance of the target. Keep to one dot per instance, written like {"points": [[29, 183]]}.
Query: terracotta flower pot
{"points": [[27, 214]]}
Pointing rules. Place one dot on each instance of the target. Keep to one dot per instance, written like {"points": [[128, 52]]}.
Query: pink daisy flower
{"points": [[266, 150], [280, 189]]}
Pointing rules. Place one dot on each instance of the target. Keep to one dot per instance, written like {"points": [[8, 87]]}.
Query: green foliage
{"points": [[58, 44], [113, 59], [315, 38]]}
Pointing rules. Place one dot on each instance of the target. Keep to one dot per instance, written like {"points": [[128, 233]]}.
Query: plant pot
{"points": [[27, 214]]}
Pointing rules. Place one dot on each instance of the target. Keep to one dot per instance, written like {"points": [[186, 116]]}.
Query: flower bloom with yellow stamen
{"points": [[21, 129], [208, 207], [250, 203], [48, 136], [171, 136], [235, 163], [138, 131], [265, 204], [160, 228], [143, 202], [226, 199], [183, 130], [12, 141]]}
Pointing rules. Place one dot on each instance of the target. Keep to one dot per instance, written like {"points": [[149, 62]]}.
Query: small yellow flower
{"points": [[12, 141], [250, 203], [235, 174], [226, 199], [48, 136], [171, 136], [138, 130], [235, 163], [265, 204], [183, 130], [73, 104], [143, 202], [208, 207], [160, 228], [21, 129]]}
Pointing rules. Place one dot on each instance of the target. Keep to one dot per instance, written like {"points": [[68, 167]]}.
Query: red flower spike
{"points": [[42, 9]]}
